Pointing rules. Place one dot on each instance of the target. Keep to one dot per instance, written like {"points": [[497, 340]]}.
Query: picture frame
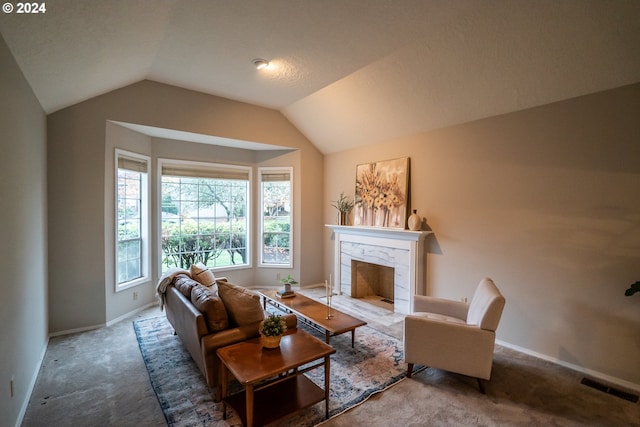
{"points": [[382, 193]]}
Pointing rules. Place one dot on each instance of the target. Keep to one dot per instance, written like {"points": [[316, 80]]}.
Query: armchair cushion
{"points": [[426, 304], [438, 317]]}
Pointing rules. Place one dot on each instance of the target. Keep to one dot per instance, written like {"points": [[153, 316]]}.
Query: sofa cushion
{"points": [[184, 284], [201, 274], [440, 317], [207, 301], [243, 305]]}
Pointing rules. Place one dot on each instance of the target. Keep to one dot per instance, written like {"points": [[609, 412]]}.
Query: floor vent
{"points": [[610, 390], [387, 300]]}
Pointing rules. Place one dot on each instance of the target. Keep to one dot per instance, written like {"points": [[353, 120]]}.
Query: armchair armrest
{"points": [[441, 306]]}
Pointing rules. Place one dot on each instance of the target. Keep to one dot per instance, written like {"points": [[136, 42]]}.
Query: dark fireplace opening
{"points": [[369, 279]]}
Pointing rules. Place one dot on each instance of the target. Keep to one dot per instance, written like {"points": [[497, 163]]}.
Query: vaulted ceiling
{"points": [[345, 72]]}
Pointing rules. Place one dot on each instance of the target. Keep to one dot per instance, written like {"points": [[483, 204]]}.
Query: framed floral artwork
{"points": [[381, 193]]}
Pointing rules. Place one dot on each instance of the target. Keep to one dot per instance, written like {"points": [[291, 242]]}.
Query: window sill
{"points": [[132, 284]]}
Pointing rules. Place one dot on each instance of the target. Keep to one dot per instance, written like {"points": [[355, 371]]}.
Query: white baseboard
{"points": [[73, 331], [102, 325], [595, 374], [131, 313]]}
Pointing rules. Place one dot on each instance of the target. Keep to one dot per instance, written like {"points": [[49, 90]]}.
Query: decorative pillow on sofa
{"points": [[207, 301], [201, 274], [184, 284], [243, 305]]}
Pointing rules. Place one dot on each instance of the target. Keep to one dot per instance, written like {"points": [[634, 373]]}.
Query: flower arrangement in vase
{"points": [[271, 330]]}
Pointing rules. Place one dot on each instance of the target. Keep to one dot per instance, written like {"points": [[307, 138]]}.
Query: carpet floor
{"points": [[98, 378]]}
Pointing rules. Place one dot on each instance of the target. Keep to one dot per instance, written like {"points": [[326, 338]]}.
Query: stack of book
{"points": [[285, 294]]}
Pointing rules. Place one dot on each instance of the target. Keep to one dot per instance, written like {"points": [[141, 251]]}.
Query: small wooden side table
{"points": [[272, 378]]}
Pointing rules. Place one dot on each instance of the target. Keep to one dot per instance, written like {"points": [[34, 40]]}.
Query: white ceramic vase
{"points": [[415, 221]]}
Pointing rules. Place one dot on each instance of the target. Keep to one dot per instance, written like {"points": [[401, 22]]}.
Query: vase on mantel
{"points": [[415, 221], [343, 218]]}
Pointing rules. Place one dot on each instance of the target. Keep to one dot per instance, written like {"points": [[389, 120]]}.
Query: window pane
{"points": [[203, 220], [133, 249], [133, 269], [129, 264], [122, 271], [132, 188], [276, 248]]}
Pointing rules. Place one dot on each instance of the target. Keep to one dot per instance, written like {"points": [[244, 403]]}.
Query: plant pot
{"points": [[343, 218], [270, 342]]}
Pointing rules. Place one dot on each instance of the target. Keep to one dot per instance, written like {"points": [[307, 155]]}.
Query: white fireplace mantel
{"points": [[388, 233], [404, 250]]}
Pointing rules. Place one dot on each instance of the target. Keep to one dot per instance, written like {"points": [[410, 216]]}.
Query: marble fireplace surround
{"points": [[403, 250]]}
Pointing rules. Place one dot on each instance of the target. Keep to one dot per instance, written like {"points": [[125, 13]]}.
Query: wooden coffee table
{"points": [[273, 381], [314, 314]]}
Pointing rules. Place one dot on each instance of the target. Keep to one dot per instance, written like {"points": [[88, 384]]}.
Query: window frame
{"points": [[145, 223], [195, 166], [275, 170]]}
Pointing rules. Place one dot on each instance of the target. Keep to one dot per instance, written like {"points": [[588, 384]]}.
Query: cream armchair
{"points": [[454, 336]]}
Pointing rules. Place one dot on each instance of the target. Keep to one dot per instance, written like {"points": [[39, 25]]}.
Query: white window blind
{"points": [[213, 171]]}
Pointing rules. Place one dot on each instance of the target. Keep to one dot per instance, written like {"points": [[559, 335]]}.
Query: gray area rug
{"points": [[374, 364]]}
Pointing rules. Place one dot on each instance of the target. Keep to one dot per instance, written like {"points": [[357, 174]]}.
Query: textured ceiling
{"points": [[345, 72]]}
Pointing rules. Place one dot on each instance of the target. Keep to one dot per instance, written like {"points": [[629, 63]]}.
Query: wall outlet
{"points": [[463, 299], [135, 296], [11, 386], [278, 277]]}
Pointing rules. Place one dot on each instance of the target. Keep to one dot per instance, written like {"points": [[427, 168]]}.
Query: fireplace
{"points": [[402, 251], [369, 279]]}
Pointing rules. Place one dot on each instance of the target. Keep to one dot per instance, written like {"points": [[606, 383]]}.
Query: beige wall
{"points": [[23, 256], [544, 201], [81, 143]]}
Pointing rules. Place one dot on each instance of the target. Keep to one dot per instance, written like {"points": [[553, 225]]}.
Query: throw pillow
{"points": [[207, 301], [242, 304], [184, 284], [201, 274]]}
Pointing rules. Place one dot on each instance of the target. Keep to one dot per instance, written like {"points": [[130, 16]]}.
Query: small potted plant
{"points": [[286, 284], [271, 330], [344, 206]]}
